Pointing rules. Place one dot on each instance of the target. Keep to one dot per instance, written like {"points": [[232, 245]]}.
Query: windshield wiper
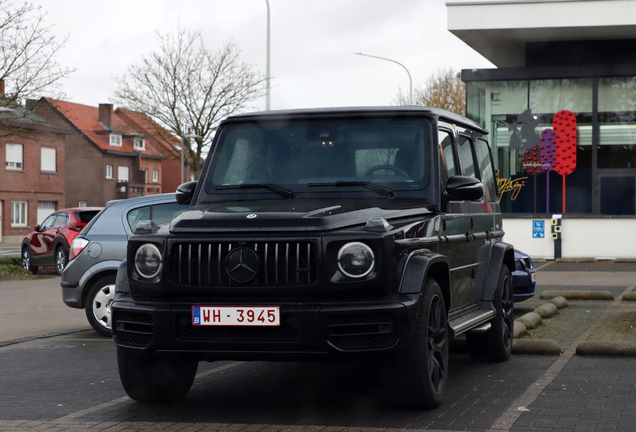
{"points": [[285, 193], [379, 189]]}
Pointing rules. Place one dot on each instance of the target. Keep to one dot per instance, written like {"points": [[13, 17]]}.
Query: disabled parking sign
{"points": [[538, 229]]}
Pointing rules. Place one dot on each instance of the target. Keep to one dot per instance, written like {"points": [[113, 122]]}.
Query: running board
{"points": [[472, 320]]}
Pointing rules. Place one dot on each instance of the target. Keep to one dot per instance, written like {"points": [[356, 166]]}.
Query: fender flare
{"points": [[422, 264], [500, 254], [60, 240]]}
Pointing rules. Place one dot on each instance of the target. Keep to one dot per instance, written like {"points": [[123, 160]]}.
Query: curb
{"points": [[532, 320]]}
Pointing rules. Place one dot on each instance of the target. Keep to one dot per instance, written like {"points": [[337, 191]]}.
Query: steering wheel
{"points": [[396, 170]]}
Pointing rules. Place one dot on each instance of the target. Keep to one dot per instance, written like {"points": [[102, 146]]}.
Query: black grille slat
{"points": [[361, 331], [282, 263], [134, 329]]}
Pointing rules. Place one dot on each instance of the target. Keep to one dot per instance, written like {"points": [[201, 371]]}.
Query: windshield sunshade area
{"points": [[286, 160]]}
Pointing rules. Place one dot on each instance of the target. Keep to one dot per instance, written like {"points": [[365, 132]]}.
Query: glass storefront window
{"points": [[617, 123]]}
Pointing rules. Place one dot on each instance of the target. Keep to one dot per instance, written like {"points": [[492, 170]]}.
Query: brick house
{"points": [[106, 158], [33, 176], [163, 141]]}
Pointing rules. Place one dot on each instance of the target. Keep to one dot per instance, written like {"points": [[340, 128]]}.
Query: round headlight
{"points": [[355, 260], [148, 261]]}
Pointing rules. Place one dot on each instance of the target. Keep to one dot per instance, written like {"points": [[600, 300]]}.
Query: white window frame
{"points": [[139, 144], [46, 155], [82, 204], [19, 214], [120, 173], [115, 140], [14, 157], [155, 176], [109, 172]]}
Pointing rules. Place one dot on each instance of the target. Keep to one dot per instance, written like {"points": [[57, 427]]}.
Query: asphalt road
{"points": [[55, 377]]}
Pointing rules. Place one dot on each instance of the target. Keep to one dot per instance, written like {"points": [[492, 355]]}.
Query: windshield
{"points": [[319, 156]]}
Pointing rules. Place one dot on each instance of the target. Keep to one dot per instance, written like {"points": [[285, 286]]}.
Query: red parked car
{"points": [[49, 244]]}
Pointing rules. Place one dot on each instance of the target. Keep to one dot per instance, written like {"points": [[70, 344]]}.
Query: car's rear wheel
{"points": [[147, 379], [26, 260], [499, 337], [417, 378], [61, 258], [98, 303]]}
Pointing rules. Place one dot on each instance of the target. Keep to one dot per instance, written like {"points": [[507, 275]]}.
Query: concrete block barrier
{"points": [[519, 330], [602, 348], [530, 320], [576, 295], [560, 302], [630, 296], [546, 310]]}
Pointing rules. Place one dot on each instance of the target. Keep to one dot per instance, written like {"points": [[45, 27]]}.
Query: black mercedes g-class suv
{"points": [[363, 234]]}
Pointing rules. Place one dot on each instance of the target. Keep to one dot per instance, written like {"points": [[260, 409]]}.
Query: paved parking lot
{"points": [[69, 381]]}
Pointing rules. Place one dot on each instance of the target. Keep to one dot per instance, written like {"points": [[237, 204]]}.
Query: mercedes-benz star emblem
{"points": [[242, 265]]}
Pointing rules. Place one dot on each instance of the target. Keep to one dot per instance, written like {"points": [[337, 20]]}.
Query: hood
{"points": [[297, 215]]}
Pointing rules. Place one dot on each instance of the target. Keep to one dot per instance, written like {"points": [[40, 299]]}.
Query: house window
{"points": [[139, 144], [82, 204], [14, 157], [109, 171], [115, 140], [19, 214], [48, 159], [155, 176], [122, 173]]}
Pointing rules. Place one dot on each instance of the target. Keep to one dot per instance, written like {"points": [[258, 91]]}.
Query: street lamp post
{"points": [[182, 150], [393, 61], [267, 74]]}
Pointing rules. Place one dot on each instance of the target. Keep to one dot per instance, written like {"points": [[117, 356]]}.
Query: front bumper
{"points": [[346, 330]]}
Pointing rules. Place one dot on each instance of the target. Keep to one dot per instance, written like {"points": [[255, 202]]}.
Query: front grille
{"points": [[289, 330], [361, 331], [279, 263], [133, 329]]}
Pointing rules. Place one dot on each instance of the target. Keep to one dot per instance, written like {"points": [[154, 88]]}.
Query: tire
{"points": [[155, 380], [98, 302], [26, 260], [61, 258], [417, 378], [499, 337]]}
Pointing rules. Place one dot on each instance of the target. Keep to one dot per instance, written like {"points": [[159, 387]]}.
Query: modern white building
{"points": [[558, 62]]}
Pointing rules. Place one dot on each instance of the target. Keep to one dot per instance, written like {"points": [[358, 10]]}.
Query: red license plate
{"points": [[235, 316]]}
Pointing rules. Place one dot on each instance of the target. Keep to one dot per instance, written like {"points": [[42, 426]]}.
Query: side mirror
{"points": [[37, 228], [463, 188], [185, 192]]}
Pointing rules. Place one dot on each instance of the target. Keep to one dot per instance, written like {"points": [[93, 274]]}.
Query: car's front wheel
{"points": [[98, 303], [499, 337], [147, 379], [417, 378], [26, 260], [61, 258]]}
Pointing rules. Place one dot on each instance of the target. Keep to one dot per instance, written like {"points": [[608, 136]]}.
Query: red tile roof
{"points": [[86, 119], [163, 140]]}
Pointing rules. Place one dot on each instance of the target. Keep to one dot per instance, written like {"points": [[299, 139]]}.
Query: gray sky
{"points": [[312, 44]]}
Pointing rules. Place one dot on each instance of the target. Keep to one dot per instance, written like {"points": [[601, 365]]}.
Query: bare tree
{"points": [[27, 55], [189, 89], [443, 89]]}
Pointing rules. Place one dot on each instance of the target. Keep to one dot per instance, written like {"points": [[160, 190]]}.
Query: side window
{"points": [[485, 167], [446, 152], [49, 221], [465, 153], [62, 219], [136, 215], [166, 212]]}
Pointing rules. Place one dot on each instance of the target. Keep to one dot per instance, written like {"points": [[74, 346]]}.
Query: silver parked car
{"points": [[88, 281]]}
